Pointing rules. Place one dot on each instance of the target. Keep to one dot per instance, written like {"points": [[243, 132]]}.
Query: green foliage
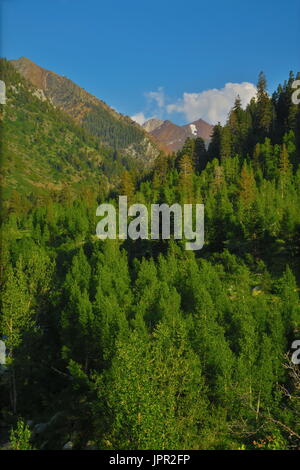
{"points": [[117, 133], [154, 392], [44, 153], [20, 437], [142, 345]]}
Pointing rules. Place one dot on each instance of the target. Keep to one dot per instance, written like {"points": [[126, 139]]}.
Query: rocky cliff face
{"points": [[152, 124]]}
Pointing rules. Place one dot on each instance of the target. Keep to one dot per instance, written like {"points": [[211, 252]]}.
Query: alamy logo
{"points": [[2, 92], [296, 354], [162, 216], [296, 93]]}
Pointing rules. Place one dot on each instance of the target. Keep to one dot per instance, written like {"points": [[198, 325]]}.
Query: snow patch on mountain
{"points": [[193, 129]]}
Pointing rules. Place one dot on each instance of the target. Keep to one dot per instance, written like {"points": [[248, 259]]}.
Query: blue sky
{"points": [[143, 56]]}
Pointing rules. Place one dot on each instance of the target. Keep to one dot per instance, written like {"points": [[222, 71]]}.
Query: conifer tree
{"points": [[127, 186], [264, 111], [247, 183], [186, 178], [214, 149], [225, 144]]}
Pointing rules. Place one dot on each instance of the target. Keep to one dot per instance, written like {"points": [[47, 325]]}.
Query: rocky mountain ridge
{"points": [[173, 136]]}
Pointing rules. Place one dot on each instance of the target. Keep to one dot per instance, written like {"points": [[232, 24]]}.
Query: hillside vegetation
{"points": [[141, 344], [44, 152], [100, 120]]}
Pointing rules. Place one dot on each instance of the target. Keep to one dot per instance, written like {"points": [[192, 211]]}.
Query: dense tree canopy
{"points": [[141, 344]]}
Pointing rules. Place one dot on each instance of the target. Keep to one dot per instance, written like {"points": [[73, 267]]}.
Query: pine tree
{"points": [[127, 186], [186, 178], [284, 169], [214, 149], [200, 154], [264, 110], [248, 187], [226, 143]]}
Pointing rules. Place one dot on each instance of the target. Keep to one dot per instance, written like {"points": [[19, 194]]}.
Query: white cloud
{"points": [[140, 118], [213, 105], [155, 106], [157, 96]]}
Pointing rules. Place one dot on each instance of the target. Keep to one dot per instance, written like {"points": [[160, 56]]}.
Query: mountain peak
{"points": [[31, 71], [173, 136], [152, 124]]}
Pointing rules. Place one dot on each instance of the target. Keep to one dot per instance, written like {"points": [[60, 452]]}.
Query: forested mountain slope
{"points": [[100, 120], [44, 152]]}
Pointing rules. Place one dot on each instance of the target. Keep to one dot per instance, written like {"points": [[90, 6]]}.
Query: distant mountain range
{"points": [[104, 122], [172, 137]]}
